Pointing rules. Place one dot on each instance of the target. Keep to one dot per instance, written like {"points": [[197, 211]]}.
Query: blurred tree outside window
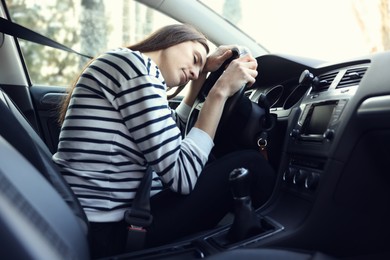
{"points": [[88, 26]]}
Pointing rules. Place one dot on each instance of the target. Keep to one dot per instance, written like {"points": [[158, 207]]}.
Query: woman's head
{"points": [[179, 50], [169, 36]]}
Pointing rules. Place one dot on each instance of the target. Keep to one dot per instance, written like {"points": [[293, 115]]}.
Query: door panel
{"points": [[47, 101]]}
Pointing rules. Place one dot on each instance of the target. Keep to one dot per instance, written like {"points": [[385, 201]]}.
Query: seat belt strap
{"points": [[21, 32], [138, 217]]}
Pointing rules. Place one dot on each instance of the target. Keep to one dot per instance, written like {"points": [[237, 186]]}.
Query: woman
{"points": [[118, 122]]}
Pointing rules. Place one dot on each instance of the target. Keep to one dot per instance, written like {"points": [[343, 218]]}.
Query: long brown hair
{"points": [[163, 38]]}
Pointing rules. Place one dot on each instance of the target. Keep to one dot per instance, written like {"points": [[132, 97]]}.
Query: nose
{"points": [[194, 73]]}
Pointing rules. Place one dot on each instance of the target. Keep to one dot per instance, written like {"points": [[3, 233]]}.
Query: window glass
{"points": [[329, 30], [87, 26]]}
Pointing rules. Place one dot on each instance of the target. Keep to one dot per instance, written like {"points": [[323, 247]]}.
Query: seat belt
{"points": [[138, 217], [21, 32]]}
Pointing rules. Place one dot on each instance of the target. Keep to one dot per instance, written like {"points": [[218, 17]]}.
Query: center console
{"points": [[316, 123]]}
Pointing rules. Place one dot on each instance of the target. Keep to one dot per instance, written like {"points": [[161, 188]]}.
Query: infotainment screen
{"points": [[318, 118]]}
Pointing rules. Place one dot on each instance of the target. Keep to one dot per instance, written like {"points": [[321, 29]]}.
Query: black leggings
{"points": [[176, 216]]}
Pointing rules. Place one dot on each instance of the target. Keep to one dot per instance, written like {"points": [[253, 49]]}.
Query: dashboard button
{"points": [[329, 134], [295, 133], [300, 177], [312, 180], [288, 175]]}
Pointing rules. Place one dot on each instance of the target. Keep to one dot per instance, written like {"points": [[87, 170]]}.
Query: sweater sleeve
{"points": [[181, 115]]}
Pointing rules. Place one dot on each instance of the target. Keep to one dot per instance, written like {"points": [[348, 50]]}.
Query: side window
{"points": [[87, 26]]}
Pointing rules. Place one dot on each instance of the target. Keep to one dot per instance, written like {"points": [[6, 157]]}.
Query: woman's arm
{"points": [[194, 89], [240, 72]]}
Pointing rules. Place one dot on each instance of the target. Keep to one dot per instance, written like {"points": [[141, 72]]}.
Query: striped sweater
{"points": [[118, 122]]}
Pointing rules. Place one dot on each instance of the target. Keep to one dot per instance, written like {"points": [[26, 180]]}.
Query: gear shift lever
{"points": [[240, 183], [246, 222]]}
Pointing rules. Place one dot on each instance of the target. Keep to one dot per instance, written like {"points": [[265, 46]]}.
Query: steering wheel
{"points": [[239, 115], [205, 89]]}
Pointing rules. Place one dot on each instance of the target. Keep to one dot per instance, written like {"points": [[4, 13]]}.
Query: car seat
{"points": [[15, 128], [35, 222]]}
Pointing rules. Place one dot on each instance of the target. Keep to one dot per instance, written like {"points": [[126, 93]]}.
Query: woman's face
{"points": [[182, 62]]}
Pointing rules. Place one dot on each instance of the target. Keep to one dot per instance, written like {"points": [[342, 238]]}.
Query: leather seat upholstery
{"points": [[15, 128]]}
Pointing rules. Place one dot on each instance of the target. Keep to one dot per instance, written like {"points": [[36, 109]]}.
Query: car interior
{"points": [[326, 129]]}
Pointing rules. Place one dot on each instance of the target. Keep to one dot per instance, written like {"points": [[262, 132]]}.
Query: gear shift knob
{"points": [[240, 183], [246, 222]]}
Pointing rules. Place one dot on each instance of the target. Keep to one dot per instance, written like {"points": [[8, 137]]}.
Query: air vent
{"points": [[352, 77], [324, 81]]}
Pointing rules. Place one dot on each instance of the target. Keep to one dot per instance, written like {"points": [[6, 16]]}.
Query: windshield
{"points": [[322, 29]]}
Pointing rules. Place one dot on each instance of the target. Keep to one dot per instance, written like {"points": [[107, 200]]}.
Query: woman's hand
{"points": [[218, 57], [240, 72], [213, 62]]}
